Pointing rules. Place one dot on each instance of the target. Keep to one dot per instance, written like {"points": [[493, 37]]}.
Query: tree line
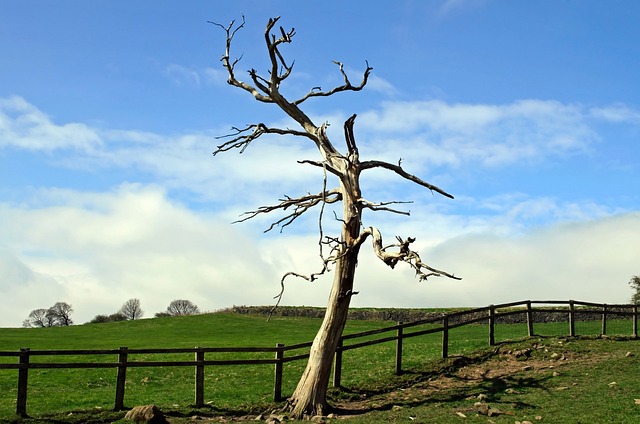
{"points": [[59, 315]]}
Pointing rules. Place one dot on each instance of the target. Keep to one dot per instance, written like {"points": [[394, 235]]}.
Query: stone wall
{"points": [[560, 314]]}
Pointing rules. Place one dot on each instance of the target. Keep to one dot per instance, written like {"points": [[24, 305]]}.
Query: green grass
{"points": [[229, 388], [243, 389], [597, 385]]}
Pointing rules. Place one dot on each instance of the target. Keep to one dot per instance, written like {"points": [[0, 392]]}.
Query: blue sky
{"points": [[527, 112]]}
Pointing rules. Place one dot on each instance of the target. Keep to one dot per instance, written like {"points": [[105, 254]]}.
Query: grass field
{"points": [[368, 373]]}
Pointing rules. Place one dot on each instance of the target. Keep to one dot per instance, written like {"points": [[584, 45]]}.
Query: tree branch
{"points": [[242, 138], [350, 139], [323, 165], [403, 254], [347, 86], [229, 65], [404, 174], [382, 206], [300, 205], [274, 53]]}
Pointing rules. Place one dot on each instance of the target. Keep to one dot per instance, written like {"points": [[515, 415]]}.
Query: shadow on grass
{"points": [[428, 388]]}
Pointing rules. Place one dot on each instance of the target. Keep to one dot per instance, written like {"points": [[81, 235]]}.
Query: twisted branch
{"points": [[403, 254]]}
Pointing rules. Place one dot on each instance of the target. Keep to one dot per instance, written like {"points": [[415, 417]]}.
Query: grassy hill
{"points": [[430, 390]]}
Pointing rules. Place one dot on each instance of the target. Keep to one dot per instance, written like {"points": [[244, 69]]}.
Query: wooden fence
{"points": [[491, 315]]}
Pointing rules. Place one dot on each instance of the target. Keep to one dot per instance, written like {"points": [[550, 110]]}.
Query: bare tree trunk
{"points": [[310, 396]]}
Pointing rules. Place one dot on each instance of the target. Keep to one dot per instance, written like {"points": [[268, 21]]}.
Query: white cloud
{"points": [[589, 260], [381, 85], [181, 161], [191, 76], [183, 75], [440, 134], [489, 135], [215, 76], [96, 250], [617, 113], [24, 126], [518, 210]]}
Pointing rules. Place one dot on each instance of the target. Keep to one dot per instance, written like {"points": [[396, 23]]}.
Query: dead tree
{"points": [[309, 398]]}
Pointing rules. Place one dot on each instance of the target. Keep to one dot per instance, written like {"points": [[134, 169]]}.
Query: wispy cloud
{"points": [[24, 126], [182, 75], [194, 76], [450, 6], [489, 135], [617, 113], [180, 161], [438, 133], [97, 249]]}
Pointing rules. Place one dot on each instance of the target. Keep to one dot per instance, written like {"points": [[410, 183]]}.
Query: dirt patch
{"points": [[504, 370]]}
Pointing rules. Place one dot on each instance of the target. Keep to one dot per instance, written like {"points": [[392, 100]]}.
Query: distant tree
{"points": [[39, 318], [131, 309], [635, 285], [182, 307], [99, 319], [118, 316], [162, 314], [61, 313]]}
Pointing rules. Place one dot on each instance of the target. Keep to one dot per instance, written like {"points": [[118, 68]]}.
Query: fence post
{"points": [[529, 319], [399, 349], [572, 325], [492, 323], [337, 365], [445, 336], [277, 381], [23, 381], [604, 319], [121, 379], [635, 320], [199, 377]]}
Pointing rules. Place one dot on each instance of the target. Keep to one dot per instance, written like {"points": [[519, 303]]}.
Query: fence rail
{"points": [[492, 315]]}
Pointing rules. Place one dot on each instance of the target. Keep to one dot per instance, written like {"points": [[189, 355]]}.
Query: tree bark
{"points": [[309, 398]]}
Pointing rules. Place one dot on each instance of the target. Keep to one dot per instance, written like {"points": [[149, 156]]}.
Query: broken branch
{"points": [[403, 254]]}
